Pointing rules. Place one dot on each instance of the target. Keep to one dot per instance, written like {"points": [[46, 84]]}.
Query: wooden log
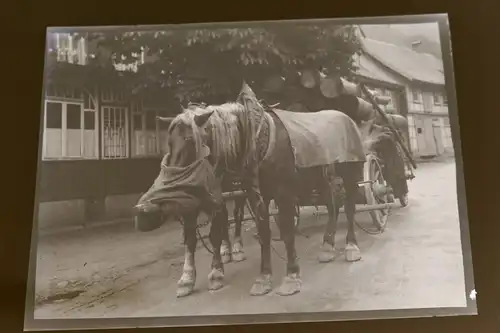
{"points": [[309, 79], [370, 97], [330, 86], [274, 83], [395, 120], [382, 100], [358, 109], [349, 88]]}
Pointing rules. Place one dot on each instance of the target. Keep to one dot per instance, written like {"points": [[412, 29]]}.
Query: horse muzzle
{"points": [[149, 216]]}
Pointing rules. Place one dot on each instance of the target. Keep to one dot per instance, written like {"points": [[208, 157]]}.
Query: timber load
{"points": [[350, 101]]}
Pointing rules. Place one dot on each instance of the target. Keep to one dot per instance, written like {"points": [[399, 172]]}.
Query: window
{"points": [[416, 96], [114, 132], [427, 101], [437, 98], [148, 134], [60, 92], [112, 95], [389, 93], [69, 131], [71, 49], [445, 99]]}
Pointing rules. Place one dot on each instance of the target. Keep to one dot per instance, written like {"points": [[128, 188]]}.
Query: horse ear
{"points": [[201, 119], [246, 90]]}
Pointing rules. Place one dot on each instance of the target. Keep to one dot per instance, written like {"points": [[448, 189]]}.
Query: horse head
{"points": [[186, 137]]}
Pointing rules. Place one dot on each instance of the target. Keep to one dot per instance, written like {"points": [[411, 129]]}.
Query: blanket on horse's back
{"points": [[322, 138], [185, 188]]}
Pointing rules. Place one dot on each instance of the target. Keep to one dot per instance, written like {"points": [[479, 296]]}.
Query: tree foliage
{"points": [[198, 63]]}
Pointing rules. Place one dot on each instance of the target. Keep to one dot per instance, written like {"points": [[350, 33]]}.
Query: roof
{"points": [[369, 69], [406, 62], [404, 34]]}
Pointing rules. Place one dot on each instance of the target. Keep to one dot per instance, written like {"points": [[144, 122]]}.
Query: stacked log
{"points": [[274, 84], [395, 120], [309, 79], [329, 86], [345, 95]]}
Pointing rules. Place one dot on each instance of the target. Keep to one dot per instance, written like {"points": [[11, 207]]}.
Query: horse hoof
{"points": [[185, 286], [226, 258], [215, 280], [352, 253], [185, 290], [291, 285], [239, 256], [262, 286], [327, 254], [238, 253]]}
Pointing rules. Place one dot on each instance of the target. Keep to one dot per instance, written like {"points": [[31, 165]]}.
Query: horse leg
{"points": [[217, 229], [239, 212], [352, 251], [226, 243], [185, 285], [291, 282], [263, 284], [328, 252]]}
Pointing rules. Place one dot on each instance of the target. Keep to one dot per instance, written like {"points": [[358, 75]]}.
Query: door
{"points": [[438, 135], [428, 101], [425, 136]]}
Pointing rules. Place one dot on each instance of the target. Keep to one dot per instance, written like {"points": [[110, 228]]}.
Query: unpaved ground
{"points": [[115, 272]]}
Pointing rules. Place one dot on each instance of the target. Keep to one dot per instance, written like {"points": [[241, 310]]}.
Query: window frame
{"points": [[445, 99], [139, 109], [418, 94], [126, 130], [436, 97], [74, 51], [64, 129]]}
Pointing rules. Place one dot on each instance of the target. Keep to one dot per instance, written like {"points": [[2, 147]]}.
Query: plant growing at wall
{"points": [[202, 63]]}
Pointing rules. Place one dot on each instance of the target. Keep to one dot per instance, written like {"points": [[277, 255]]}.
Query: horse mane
{"points": [[232, 128], [223, 127]]}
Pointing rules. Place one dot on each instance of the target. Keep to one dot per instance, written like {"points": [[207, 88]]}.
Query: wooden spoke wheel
{"points": [[374, 191]]}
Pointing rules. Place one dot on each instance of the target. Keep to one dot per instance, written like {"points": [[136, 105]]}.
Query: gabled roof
{"points": [[369, 69], [405, 34], [406, 62]]}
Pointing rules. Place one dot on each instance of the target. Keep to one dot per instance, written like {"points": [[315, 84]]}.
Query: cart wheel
{"points": [[373, 172]]}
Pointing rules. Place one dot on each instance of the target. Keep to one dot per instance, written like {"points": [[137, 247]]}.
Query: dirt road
{"points": [[415, 263]]}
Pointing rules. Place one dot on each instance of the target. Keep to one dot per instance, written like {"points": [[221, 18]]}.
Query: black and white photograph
{"points": [[249, 172]]}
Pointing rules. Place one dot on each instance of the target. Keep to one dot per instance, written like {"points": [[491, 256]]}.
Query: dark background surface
{"points": [[474, 28]]}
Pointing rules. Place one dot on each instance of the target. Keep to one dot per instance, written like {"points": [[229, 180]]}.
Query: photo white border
{"points": [[32, 324]]}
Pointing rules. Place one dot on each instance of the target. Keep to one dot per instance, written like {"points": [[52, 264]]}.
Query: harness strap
{"points": [[272, 136]]}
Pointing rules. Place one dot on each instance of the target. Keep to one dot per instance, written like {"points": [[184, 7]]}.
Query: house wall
{"points": [[429, 131], [429, 126], [98, 155]]}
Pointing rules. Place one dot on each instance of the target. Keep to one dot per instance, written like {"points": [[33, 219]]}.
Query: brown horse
{"points": [[245, 140]]}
